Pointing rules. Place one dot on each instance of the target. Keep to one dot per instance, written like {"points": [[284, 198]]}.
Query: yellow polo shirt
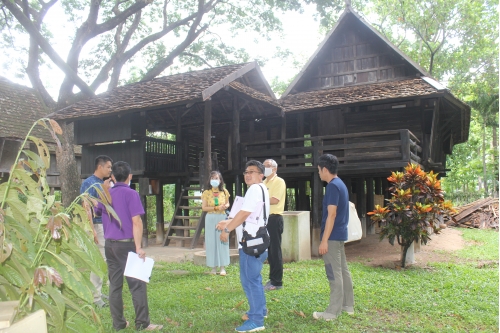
{"points": [[277, 189]]}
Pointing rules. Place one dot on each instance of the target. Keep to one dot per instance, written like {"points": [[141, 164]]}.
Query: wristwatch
{"points": [[226, 231]]}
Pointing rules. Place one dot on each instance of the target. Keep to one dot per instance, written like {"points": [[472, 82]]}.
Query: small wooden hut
{"points": [[20, 107]]}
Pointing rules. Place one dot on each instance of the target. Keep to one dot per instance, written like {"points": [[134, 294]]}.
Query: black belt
{"points": [[126, 240], [275, 214]]}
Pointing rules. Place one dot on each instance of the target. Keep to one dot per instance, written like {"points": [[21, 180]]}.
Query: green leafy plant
{"points": [[46, 250], [411, 214]]}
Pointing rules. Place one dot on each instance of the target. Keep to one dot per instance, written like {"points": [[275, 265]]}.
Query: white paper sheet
{"points": [[138, 268], [253, 217]]}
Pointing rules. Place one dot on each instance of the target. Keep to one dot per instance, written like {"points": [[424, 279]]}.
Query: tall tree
{"points": [[142, 36]]}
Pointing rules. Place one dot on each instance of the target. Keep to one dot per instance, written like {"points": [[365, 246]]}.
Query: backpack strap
{"points": [[264, 201]]}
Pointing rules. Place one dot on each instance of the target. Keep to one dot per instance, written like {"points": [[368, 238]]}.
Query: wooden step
{"points": [[187, 196], [193, 188], [179, 238], [190, 207], [181, 227], [180, 217]]}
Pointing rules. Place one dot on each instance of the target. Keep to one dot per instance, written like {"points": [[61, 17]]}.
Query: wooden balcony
{"points": [[146, 157], [358, 153]]}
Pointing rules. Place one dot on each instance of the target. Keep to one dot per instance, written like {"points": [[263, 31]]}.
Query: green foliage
{"points": [[46, 251], [417, 200]]}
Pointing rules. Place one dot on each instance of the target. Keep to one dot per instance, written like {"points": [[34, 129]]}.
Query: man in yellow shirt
{"points": [[277, 193]]}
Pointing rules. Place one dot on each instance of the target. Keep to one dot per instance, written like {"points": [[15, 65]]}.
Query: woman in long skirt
{"points": [[215, 201]]}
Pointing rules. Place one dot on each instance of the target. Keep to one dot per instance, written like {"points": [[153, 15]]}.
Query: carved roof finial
{"points": [[347, 4]]}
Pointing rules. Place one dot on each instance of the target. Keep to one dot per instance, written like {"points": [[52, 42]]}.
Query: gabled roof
{"points": [[349, 13], [184, 88], [20, 107]]}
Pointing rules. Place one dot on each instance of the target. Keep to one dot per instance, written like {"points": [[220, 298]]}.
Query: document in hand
{"points": [[138, 268], [253, 217]]}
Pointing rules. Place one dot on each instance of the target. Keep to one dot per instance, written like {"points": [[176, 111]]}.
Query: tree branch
{"points": [[190, 37], [126, 56], [46, 47]]}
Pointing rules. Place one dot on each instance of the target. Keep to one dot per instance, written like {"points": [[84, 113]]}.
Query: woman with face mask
{"points": [[215, 201]]}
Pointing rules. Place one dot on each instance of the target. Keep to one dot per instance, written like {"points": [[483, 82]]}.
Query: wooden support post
{"points": [[237, 185], [143, 192], [235, 136], [378, 185], [207, 140], [178, 129], [348, 184], [405, 145], [317, 211], [317, 200], [361, 203], [160, 220], [370, 229], [385, 188], [283, 137], [301, 198]]}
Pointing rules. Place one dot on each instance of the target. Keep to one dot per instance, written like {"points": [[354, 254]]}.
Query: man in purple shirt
{"points": [[120, 240]]}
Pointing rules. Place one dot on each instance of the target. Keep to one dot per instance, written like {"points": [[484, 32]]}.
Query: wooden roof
{"points": [[172, 90], [357, 94], [20, 107]]}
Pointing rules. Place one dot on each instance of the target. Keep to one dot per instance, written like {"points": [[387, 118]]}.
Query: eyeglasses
{"points": [[250, 172]]}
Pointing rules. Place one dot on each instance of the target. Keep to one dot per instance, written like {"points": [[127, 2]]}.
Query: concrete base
{"points": [[200, 257], [410, 254], [35, 322], [159, 233], [296, 238]]}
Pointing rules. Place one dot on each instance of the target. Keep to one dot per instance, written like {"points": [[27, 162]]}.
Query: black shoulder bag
{"points": [[255, 246]]}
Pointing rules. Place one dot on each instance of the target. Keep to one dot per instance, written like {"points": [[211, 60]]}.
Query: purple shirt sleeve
{"points": [[134, 205]]}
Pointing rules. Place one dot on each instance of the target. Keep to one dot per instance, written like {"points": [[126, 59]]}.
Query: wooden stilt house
{"points": [[358, 97]]}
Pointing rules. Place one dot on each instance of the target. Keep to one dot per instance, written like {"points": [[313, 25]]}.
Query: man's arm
{"points": [[137, 230], [330, 221], [274, 197], [232, 224]]}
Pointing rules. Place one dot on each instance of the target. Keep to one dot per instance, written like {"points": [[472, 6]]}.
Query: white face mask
{"points": [[268, 172], [214, 182]]}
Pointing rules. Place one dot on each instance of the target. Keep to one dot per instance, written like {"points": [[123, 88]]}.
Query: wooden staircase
{"points": [[181, 225]]}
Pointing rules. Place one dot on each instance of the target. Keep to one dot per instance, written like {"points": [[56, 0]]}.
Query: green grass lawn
{"points": [[442, 297]]}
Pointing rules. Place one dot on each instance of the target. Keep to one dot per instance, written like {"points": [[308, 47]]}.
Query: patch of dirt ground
{"points": [[371, 251]]}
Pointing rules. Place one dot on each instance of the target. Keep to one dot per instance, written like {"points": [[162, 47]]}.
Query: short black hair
{"points": [[330, 162], [101, 160], [257, 164], [121, 170], [221, 184]]}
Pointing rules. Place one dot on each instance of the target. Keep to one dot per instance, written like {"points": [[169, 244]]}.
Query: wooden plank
{"points": [[405, 145], [294, 161], [207, 140], [371, 156], [280, 151], [364, 145], [208, 92]]}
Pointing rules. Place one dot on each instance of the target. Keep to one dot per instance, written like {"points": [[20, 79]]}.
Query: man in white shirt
{"points": [[250, 266]]}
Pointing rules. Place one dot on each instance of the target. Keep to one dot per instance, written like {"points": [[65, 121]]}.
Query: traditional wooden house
{"points": [[20, 107], [358, 97]]}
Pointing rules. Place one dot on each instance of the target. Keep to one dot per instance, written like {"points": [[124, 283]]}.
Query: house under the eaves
{"points": [[358, 97], [20, 107]]}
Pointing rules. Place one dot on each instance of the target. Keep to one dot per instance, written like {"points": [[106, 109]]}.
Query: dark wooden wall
{"points": [[130, 152], [111, 128]]}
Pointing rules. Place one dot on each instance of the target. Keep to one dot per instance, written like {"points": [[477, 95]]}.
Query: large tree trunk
{"points": [[495, 158], [485, 178], [66, 163]]}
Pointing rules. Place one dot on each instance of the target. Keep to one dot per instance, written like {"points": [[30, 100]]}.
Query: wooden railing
{"points": [[163, 156], [350, 149]]}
